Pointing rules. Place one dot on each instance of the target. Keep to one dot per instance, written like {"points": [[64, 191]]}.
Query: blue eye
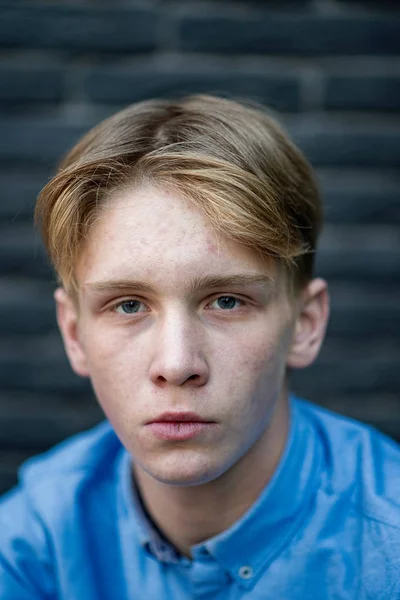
{"points": [[227, 302], [130, 307]]}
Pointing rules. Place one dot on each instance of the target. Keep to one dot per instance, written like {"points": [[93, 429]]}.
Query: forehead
{"points": [[154, 233]]}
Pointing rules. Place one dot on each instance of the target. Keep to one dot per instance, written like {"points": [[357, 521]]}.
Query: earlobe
{"points": [[67, 318], [310, 326]]}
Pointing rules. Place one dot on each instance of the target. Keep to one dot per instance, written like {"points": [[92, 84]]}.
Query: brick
{"points": [[372, 375], [26, 308], [276, 4], [26, 319], [361, 199], [329, 145], [362, 310], [31, 424], [352, 366], [344, 348], [363, 93], [289, 34], [22, 252], [38, 422], [19, 190], [22, 87], [379, 410], [37, 141], [10, 462], [359, 265], [374, 4], [113, 85], [368, 254], [40, 376], [74, 28]]}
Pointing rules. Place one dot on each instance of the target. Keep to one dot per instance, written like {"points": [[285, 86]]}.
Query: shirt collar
{"points": [[150, 537], [246, 548]]}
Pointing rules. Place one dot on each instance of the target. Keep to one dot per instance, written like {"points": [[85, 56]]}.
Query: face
{"points": [[185, 336]]}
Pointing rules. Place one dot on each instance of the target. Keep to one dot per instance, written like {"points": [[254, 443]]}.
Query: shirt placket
{"points": [[209, 580]]}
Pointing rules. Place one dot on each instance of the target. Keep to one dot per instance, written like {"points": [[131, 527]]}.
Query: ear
{"points": [[310, 326], [67, 318]]}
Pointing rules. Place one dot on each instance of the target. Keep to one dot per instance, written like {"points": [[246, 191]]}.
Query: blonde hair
{"points": [[230, 159]]}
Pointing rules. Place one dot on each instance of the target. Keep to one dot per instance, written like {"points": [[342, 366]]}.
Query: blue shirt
{"points": [[326, 526]]}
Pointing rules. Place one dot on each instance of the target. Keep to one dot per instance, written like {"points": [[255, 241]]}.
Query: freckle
{"points": [[212, 247]]}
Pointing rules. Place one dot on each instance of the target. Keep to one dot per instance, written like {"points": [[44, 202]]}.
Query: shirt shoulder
{"points": [[360, 463], [60, 473], [52, 483], [45, 506], [84, 465]]}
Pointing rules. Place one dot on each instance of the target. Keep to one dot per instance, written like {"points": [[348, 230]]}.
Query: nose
{"points": [[178, 358]]}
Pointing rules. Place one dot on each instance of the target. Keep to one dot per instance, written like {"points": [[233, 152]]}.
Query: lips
{"points": [[179, 417], [179, 426]]}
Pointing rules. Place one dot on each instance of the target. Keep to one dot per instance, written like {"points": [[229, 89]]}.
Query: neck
{"points": [[191, 514]]}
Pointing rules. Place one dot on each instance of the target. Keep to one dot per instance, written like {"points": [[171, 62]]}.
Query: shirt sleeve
{"points": [[25, 563]]}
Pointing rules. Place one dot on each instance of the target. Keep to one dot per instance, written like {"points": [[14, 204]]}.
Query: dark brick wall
{"points": [[330, 66]]}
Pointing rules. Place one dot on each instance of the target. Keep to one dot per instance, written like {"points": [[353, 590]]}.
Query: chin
{"points": [[183, 471]]}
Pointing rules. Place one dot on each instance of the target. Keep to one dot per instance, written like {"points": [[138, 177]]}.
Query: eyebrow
{"points": [[195, 283]]}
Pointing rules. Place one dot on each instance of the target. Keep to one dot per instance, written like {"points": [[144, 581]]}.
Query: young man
{"points": [[183, 235]]}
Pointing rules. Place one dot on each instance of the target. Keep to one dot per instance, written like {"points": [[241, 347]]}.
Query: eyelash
{"points": [[115, 307]]}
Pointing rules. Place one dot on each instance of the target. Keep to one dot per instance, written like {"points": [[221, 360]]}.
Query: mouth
{"points": [[179, 426]]}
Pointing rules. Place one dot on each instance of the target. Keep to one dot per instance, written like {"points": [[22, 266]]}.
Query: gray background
{"points": [[330, 66]]}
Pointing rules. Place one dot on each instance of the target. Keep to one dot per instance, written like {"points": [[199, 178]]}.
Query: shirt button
{"points": [[245, 572]]}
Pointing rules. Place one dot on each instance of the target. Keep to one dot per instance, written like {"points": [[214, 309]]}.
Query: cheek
{"points": [[106, 359], [109, 349], [257, 372], [258, 355], [114, 367]]}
